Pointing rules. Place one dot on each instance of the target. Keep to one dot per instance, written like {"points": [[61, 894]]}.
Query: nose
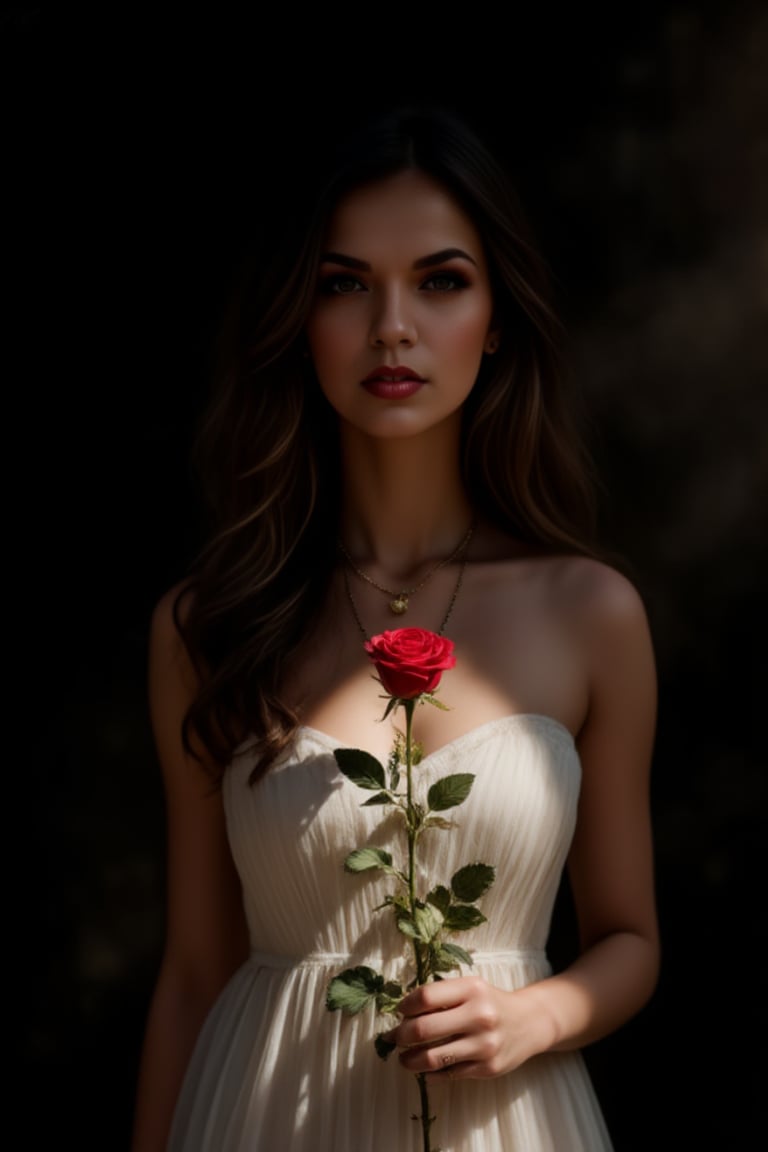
{"points": [[392, 324]]}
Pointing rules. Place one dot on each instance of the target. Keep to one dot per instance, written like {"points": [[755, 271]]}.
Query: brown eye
{"points": [[340, 285], [445, 282]]}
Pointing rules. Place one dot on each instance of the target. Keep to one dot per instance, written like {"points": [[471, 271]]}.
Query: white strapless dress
{"points": [[273, 1069]]}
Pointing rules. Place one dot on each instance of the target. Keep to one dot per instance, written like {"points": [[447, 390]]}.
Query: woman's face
{"points": [[403, 309]]}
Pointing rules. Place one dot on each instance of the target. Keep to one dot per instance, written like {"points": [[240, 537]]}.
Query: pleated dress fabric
{"points": [[274, 1070]]}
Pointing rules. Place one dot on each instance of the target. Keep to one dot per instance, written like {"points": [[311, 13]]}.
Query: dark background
{"points": [[139, 151]]}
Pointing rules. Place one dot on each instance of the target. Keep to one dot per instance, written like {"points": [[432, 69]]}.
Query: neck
{"points": [[404, 501]]}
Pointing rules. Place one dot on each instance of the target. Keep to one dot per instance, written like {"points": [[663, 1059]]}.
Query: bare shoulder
{"points": [[580, 590], [609, 622], [598, 597]]}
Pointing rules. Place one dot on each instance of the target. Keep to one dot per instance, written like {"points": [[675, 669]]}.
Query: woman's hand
{"points": [[466, 1029]]}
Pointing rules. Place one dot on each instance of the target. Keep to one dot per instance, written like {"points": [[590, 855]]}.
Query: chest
{"points": [[515, 653]]}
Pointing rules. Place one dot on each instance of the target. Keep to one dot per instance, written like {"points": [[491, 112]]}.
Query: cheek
{"points": [[332, 368], [335, 324], [466, 322], [334, 352], [466, 336], [332, 338]]}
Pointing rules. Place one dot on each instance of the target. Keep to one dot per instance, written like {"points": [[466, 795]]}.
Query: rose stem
{"points": [[409, 706]]}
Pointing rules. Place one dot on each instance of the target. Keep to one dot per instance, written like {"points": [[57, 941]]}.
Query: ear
{"points": [[491, 342]]}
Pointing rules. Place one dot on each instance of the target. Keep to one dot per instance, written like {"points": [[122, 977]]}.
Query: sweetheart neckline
{"points": [[478, 732]]}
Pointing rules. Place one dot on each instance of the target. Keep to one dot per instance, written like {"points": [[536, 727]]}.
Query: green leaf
{"points": [[450, 791], [428, 698], [456, 953], [388, 1000], [471, 881], [406, 925], [379, 798], [460, 917], [352, 990], [428, 920], [441, 961], [364, 858], [440, 897], [383, 1047], [360, 767]]}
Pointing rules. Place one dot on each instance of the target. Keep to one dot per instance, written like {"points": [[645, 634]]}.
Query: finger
{"points": [[443, 1060], [435, 997], [427, 1025], [429, 1029], [463, 1070]]}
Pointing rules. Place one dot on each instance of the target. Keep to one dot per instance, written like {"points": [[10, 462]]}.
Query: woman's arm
{"points": [[488, 1031], [206, 937], [610, 865]]}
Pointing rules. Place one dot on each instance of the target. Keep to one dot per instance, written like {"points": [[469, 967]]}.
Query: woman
{"points": [[389, 447]]}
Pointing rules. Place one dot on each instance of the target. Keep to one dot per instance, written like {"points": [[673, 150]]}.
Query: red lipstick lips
{"points": [[393, 383]]}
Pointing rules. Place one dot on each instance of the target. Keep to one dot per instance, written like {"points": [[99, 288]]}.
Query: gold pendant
{"points": [[399, 605]]}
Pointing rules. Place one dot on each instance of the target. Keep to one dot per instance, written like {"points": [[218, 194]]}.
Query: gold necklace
{"points": [[399, 600], [456, 590]]}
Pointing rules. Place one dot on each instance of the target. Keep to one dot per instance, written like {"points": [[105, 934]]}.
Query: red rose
{"points": [[410, 661]]}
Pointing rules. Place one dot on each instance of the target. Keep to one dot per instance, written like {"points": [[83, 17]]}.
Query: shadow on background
{"points": [[141, 156]]}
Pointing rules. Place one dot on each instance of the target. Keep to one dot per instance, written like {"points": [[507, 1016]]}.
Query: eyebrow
{"points": [[423, 262]]}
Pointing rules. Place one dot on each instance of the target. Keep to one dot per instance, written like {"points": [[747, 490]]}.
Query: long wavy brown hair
{"points": [[267, 451]]}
